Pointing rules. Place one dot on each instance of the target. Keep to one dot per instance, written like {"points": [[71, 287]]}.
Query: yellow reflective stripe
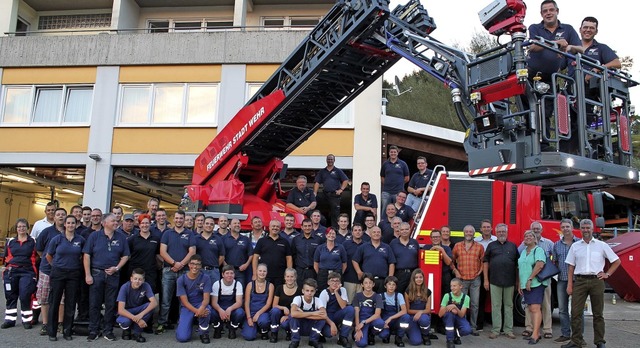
{"points": [[431, 257], [457, 234]]}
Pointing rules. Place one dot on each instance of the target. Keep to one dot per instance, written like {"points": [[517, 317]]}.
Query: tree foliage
{"points": [[429, 101]]}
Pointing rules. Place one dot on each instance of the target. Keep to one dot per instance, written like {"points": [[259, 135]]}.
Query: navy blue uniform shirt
{"points": [[406, 255], [237, 251], [41, 245], [21, 254], [393, 174], [330, 259], [331, 180], [302, 198], [209, 249], [133, 298], [178, 244], [375, 260], [303, 249], [105, 252], [66, 254]]}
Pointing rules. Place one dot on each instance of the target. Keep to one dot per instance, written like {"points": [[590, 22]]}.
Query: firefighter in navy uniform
{"points": [[226, 301], [19, 276]]}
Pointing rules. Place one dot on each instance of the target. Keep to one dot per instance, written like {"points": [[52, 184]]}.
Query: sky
{"points": [[457, 20]]}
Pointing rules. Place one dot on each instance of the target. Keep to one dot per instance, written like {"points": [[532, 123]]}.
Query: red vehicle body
{"points": [[457, 200]]}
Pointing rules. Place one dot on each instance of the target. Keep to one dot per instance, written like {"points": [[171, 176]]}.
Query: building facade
{"points": [[96, 95]]}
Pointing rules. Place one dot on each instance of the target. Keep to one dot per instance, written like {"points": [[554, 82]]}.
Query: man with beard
{"points": [[467, 257], [500, 264]]}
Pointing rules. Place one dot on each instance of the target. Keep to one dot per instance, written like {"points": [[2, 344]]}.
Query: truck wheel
{"points": [[519, 306]]}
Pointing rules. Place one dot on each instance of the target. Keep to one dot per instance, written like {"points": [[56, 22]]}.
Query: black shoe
{"points": [[371, 340], [450, 344], [315, 344], [600, 345], [217, 332], [322, 339], [205, 339], [148, 329], [274, 337], [426, 340], [344, 342], [294, 344], [287, 337], [110, 337], [169, 326], [160, 329], [457, 341], [53, 338], [138, 338], [232, 334], [434, 336], [399, 342], [67, 337], [264, 336], [7, 324], [126, 334], [570, 345], [92, 337], [27, 326], [386, 340], [43, 330]]}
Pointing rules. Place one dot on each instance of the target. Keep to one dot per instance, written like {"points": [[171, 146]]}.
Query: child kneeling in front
{"points": [[368, 307], [135, 306], [452, 311], [394, 312], [340, 313], [193, 290], [308, 315]]}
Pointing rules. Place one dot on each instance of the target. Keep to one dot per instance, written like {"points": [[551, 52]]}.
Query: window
{"points": [[297, 23], [343, 119], [99, 20], [48, 105], [175, 25], [168, 104], [22, 26]]}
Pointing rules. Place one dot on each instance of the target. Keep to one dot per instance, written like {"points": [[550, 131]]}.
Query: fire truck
{"points": [[517, 126]]}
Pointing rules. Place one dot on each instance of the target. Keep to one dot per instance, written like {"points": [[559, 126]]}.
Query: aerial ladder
{"points": [[500, 107]]}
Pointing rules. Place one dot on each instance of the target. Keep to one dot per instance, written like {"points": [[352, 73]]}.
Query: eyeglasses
{"points": [[197, 264]]}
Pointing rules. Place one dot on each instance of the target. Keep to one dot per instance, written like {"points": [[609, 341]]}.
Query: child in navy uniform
{"points": [[226, 300], [135, 306], [418, 298], [339, 311], [308, 315], [193, 290], [394, 313], [368, 307], [453, 308]]}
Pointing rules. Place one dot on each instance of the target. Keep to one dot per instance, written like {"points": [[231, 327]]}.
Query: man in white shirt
{"points": [[586, 260], [308, 316], [47, 221], [226, 301]]}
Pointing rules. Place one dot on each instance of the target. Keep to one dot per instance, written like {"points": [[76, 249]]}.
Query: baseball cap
{"points": [[128, 217]]}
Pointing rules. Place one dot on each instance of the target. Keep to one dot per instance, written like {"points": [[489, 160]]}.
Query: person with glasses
{"points": [[547, 246], [193, 290], [105, 253], [340, 314], [19, 276]]}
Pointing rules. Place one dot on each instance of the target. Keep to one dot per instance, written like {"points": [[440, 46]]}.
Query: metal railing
{"points": [[181, 30]]}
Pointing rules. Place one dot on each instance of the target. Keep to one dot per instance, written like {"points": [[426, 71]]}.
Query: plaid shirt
{"points": [[560, 251], [468, 262]]}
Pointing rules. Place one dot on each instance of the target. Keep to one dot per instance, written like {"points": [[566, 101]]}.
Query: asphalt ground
{"points": [[622, 331]]}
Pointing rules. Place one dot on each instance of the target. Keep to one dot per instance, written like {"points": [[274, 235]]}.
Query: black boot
{"points": [[274, 337], [315, 344], [232, 334], [217, 332], [426, 340], [399, 342], [344, 342], [294, 344]]}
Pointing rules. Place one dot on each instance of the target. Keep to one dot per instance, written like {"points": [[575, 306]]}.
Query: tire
{"points": [[519, 306]]}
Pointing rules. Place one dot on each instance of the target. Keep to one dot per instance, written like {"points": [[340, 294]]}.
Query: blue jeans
{"points": [[413, 201], [169, 280], [104, 290], [214, 274], [563, 309], [386, 198]]}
